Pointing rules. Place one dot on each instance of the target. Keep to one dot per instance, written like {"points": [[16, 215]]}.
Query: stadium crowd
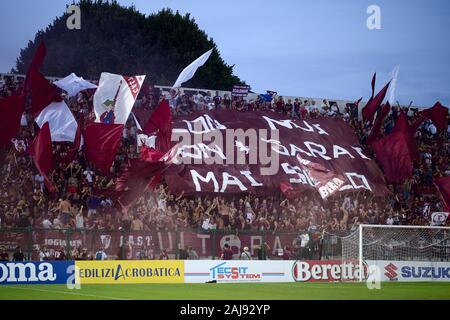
{"points": [[82, 201]]}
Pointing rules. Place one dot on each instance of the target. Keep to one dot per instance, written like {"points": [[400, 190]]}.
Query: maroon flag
{"points": [[11, 109], [329, 142], [35, 64], [325, 181], [438, 114], [41, 153], [394, 156], [39, 56], [160, 124], [42, 92], [375, 132], [288, 190], [443, 186], [142, 173], [150, 154], [101, 141], [374, 103], [374, 78], [72, 152], [402, 125]]}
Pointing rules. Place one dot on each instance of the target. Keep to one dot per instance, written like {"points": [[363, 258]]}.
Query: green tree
{"points": [[122, 40]]}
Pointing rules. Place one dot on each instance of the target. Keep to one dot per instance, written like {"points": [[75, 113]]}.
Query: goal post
{"points": [[396, 243]]}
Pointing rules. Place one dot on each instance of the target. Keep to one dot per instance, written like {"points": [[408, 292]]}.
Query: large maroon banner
{"points": [[207, 245], [234, 152]]}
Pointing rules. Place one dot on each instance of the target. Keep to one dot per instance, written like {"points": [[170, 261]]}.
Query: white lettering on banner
{"points": [[319, 129], [315, 150], [294, 170], [201, 125], [289, 124], [360, 152], [255, 243], [211, 149], [338, 151], [283, 123], [295, 150], [209, 177], [330, 187], [181, 237], [321, 151], [160, 239], [9, 271], [300, 177], [203, 237], [277, 146], [365, 183], [62, 242], [276, 245], [253, 182], [228, 179], [139, 240], [181, 152]]}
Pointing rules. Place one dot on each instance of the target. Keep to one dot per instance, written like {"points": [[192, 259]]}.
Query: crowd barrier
{"points": [[213, 271]]}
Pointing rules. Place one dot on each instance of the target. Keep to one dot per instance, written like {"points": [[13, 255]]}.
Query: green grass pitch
{"points": [[220, 291]]}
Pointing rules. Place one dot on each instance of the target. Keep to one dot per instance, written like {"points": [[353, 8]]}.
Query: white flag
{"points": [[190, 70], [115, 97], [73, 84], [438, 218], [142, 138], [63, 126], [392, 86]]}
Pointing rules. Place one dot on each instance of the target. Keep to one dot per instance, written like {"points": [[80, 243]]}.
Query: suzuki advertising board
{"points": [[412, 270]]}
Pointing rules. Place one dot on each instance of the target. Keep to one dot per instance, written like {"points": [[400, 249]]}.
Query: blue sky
{"points": [[313, 48]]}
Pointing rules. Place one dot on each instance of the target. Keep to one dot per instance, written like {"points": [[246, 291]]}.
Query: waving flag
{"points": [[160, 125], [191, 69], [374, 103], [41, 91], [11, 109], [402, 125], [35, 64], [41, 153], [73, 84], [38, 92], [63, 126], [393, 86], [142, 174], [372, 84], [438, 114], [393, 153], [378, 123], [443, 186], [101, 142], [73, 151], [115, 97]]}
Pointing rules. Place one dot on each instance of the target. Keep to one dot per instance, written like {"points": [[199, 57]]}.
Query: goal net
{"points": [[396, 243]]}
